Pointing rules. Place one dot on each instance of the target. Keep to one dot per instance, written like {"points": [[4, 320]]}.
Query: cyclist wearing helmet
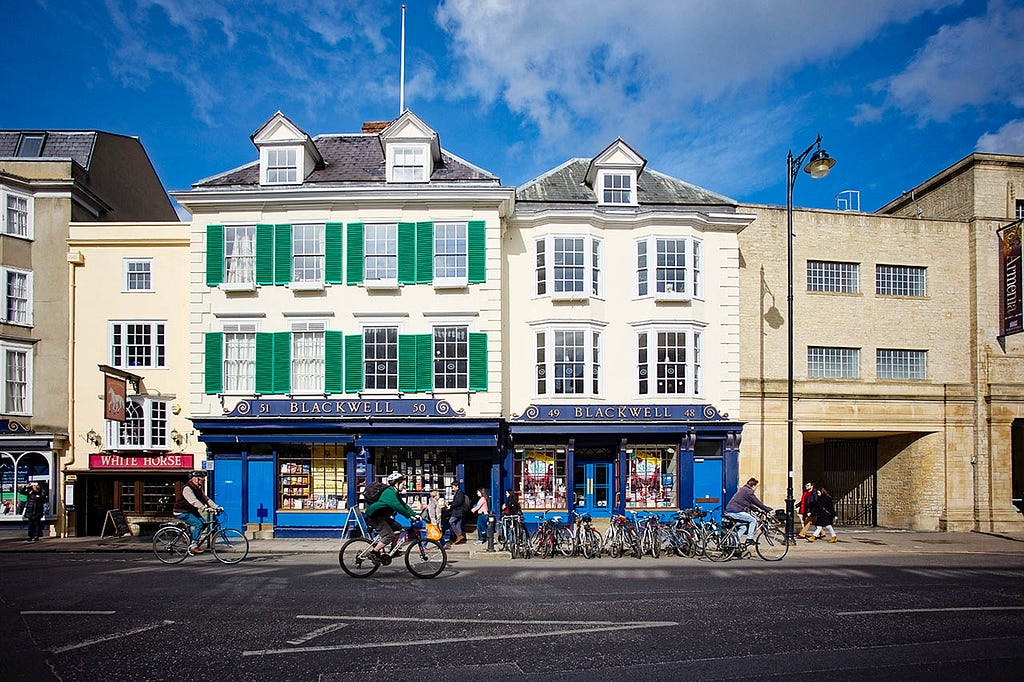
{"points": [[379, 514], [189, 502]]}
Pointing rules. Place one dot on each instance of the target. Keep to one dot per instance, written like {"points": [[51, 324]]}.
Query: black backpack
{"points": [[373, 491]]}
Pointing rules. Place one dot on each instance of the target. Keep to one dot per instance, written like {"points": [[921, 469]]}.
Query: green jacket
{"points": [[389, 501]]}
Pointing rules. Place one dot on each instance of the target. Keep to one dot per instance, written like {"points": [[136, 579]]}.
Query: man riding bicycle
{"points": [[189, 503], [379, 514], [739, 508]]}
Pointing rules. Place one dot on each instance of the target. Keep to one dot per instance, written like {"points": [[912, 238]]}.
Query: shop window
{"points": [[154, 496], [313, 477], [540, 478], [16, 471], [651, 482], [424, 470]]}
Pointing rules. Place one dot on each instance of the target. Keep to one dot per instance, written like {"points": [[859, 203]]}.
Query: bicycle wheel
{"points": [[355, 560], [591, 544], [686, 543], [170, 545], [717, 547], [651, 544], [425, 558], [771, 544], [230, 546], [632, 543], [564, 542]]}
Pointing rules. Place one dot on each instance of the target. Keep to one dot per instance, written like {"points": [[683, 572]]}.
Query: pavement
{"points": [[874, 540]]}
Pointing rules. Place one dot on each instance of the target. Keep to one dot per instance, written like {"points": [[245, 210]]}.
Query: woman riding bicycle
{"points": [[379, 514]]}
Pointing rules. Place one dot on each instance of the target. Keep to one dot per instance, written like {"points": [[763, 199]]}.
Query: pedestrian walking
{"points": [[482, 509], [824, 516], [459, 506], [806, 500]]}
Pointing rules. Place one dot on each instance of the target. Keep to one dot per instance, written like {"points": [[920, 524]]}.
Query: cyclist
{"points": [[379, 514], [739, 509], [189, 503]]}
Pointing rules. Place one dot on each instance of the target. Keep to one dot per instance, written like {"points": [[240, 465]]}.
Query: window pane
{"points": [[239, 362], [901, 364], [451, 357], [380, 358], [308, 362], [671, 361], [539, 478], [569, 362], [651, 481], [450, 250], [308, 253], [900, 280], [833, 363], [17, 215], [833, 277], [16, 381], [138, 276], [18, 304], [239, 254], [569, 264], [313, 477], [618, 188], [671, 268], [381, 251]]}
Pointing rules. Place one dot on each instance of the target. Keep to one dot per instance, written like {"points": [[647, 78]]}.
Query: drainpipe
{"points": [[76, 259]]}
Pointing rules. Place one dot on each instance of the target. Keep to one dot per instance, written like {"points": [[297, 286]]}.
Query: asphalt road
{"points": [[78, 617]]}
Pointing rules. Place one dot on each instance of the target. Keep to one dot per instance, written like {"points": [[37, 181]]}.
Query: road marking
{"points": [[100, 640], [67, 613], [578, 628], [942, 610], [316, 633]]}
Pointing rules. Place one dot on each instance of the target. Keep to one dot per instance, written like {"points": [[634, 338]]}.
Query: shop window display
{"points": [[424, 470], [540, 478], [312, 477], [651, 482]]}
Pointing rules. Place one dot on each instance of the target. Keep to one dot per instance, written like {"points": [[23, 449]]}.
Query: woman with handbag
{"points": [[435, 516]]}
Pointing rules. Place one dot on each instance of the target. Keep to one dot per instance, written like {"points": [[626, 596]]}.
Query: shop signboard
{"points": [[619, 413], [277, 408], [109, 461]]}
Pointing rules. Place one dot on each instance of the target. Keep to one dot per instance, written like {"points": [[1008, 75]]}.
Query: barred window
{"points": [[900, 280], [901, 364], [832, 276], [833, 363]]}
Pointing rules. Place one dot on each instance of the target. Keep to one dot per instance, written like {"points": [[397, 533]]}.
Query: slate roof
{"points": [[58, 144], [565, 185], [353, 159]]}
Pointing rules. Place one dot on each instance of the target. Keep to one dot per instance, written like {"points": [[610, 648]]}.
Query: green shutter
{"points": [[282, 362], [476, 248], [264, 254], [407, 253], [214, 255], [407, 363], [332, 253], [355, 258], [477, 361], [282, 254], [353, 363], [332, 361], [214, 362], [264, 362], [425, 362], [424, 253]]}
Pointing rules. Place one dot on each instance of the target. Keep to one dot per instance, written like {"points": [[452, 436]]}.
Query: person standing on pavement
{"points": [[824, 516], [482, 509], [806, 500], [189, 505], [458, 511], [35, 501]]}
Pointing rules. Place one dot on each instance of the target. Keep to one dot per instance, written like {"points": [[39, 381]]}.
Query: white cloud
{"points": [[1009, 139]]}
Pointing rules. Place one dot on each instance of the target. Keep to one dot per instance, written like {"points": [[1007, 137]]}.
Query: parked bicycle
{"points": [[423, 557], [621, 538], [551, 536], [769, 542], [586, 541], [171, 541], [514, 537]]}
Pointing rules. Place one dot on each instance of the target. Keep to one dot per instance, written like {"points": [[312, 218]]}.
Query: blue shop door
{"points": [[227, 491], [707, 485], [592, 488], [260, 504]]}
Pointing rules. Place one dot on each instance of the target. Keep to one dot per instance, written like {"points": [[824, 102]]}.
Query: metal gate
{"points": [[850, 473]]}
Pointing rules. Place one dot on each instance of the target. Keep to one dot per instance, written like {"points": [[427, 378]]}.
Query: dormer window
{"points": [[617, 188], [30, 145], [282, 166], [408, 163]]}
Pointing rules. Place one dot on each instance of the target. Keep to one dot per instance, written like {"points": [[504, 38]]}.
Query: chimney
{"points": [[375, 127]]}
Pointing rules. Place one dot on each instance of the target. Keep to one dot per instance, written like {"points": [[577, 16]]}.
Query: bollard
{"points": [[490, 532]]}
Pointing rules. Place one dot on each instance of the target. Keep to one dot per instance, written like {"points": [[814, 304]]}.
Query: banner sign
{"points": [[107, 461], [345, 408], [114, 395], [618, 413], [1011, 304]]}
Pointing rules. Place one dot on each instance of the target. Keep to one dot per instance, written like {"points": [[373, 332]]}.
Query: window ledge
{"points": [[451, 283], [672, 297], [237, 286], [306, 286], [381, 285], [570, 296]]}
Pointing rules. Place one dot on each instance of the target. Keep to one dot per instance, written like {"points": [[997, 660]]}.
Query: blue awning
{"points": [[432, 440]]}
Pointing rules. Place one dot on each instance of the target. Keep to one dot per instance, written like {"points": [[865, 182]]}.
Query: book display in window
{"points": [[424, 471], [295, 486]]}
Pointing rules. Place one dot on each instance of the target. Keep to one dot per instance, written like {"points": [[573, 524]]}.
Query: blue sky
{"points": [[710, 91]]}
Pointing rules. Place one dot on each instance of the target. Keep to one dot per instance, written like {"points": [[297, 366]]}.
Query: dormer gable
{"points": [[613, 174], [287, 153], [411, 149]]}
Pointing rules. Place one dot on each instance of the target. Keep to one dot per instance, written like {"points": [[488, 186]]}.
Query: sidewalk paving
{"points": [[850, 541]]}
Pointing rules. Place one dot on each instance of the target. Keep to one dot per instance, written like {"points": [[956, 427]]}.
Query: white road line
{"points": [[100, 640], [457, 640], [67, 613], [942, 610], [316, 633]]}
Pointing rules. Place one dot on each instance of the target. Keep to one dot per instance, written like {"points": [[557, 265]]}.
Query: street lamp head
{"points": [[820, 164]]}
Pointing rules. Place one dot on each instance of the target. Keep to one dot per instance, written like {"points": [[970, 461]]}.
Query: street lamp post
{"points": [[818, 167]]}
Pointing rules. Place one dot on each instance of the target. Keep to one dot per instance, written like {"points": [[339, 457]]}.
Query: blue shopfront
{"points": [[620, 459], [294, 466]]}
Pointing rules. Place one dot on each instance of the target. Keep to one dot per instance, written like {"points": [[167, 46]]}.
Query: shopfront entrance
{"points": [[592, 487]]}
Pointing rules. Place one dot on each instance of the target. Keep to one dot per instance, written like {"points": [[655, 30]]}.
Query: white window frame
{"points": [[648, 358], [605, 187], [239, 382], [901, 364], [833, 362], [154, 426], [408, 162], [591, 265], [6, 298], [546, 357], [389, 254], [276, 170], [307, 368], [5, 217], [833, 277], [312, 258], [901, 280], [126, 280], [157, 348], [440, 348], [237, 278], [647, 263], [23, 351], [391, 378], [459, 254]]}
